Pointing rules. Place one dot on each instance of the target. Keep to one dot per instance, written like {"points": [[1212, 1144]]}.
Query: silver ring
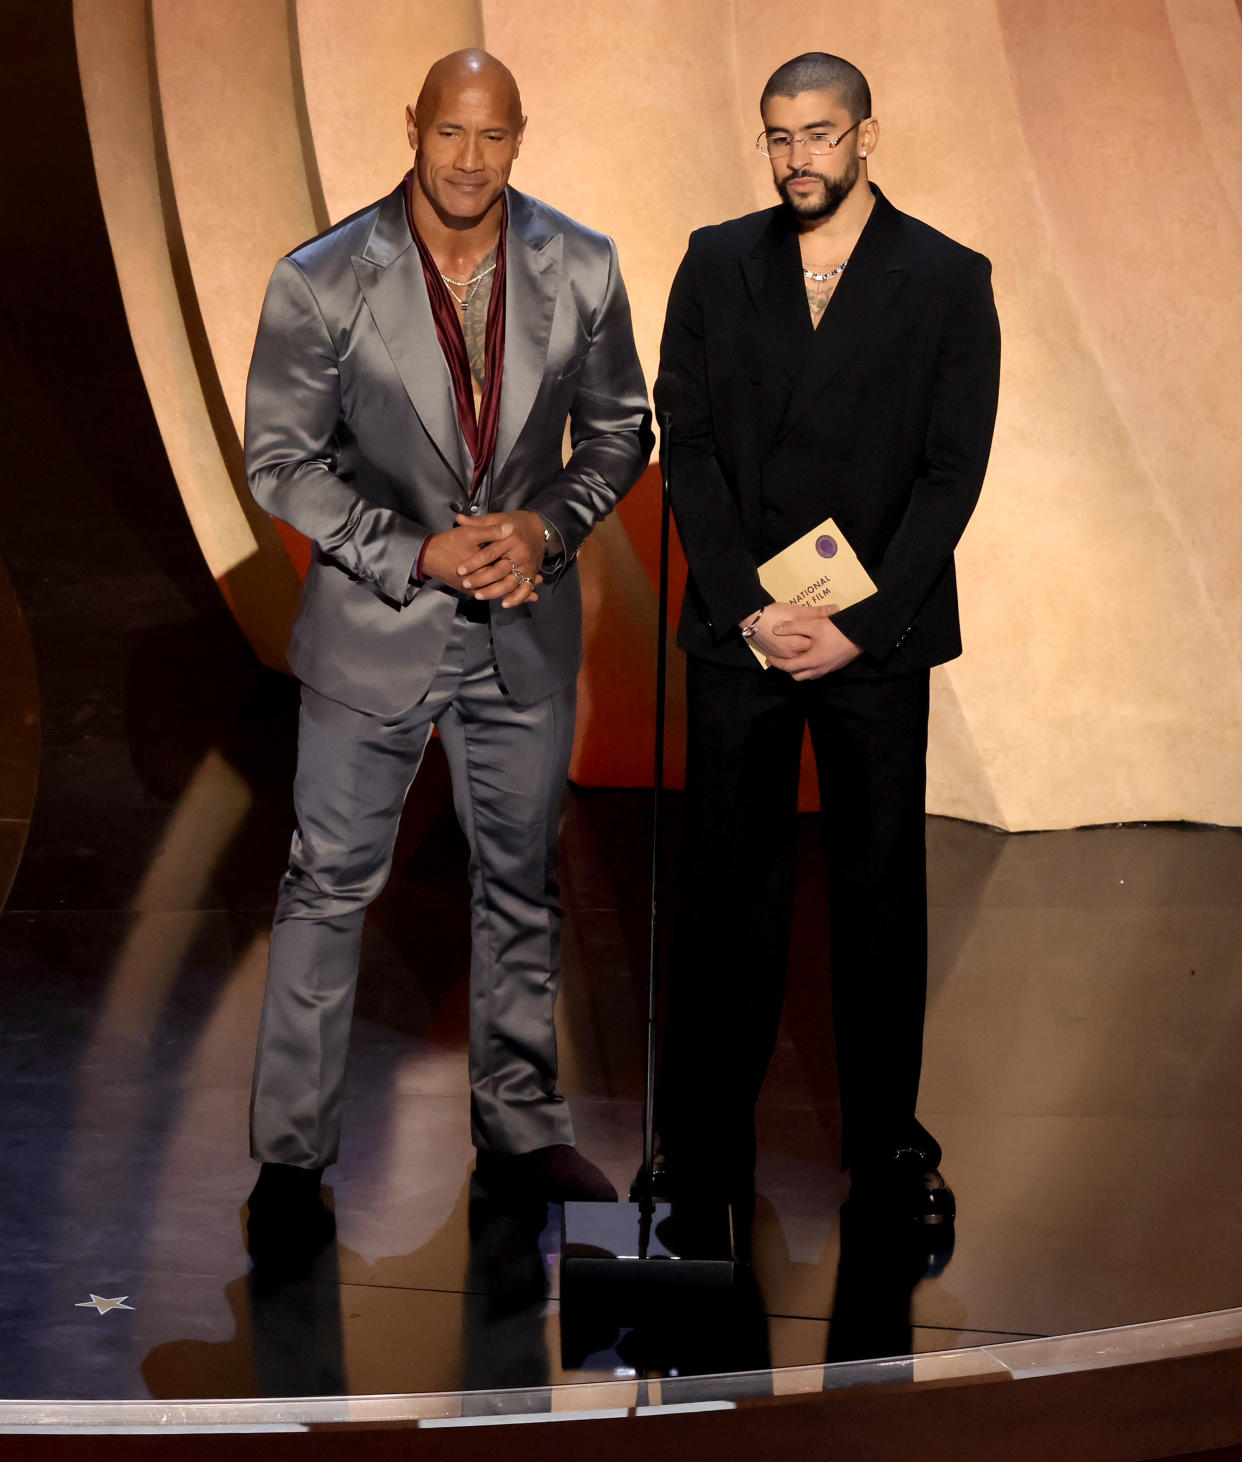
{"points": [[518, 574]]}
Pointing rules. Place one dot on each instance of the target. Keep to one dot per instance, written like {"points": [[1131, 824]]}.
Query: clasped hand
{"points": [[804, 642], [490, 555]]}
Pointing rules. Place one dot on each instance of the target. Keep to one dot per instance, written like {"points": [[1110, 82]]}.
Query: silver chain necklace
{"points": [[471, 291], [471, 286], [832, 273]]}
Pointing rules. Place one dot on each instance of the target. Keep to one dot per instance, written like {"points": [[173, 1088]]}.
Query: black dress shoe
{"points": [[701, 1197], [721, 1173], [904, 1184], [287, 1222], [556, 1174], [662, 1181]]}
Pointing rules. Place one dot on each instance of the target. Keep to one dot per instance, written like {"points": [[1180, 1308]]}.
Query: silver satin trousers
{"points": [[509, 765]]}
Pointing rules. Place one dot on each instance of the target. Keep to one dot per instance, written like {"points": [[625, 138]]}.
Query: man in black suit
{"points": [[827, 357]]}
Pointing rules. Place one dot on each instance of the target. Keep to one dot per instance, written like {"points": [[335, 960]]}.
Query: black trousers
{"points": [[726, 983]]}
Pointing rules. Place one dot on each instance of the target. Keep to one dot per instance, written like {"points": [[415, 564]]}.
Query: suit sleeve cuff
{"points": [[555, 544], [727, 612], [416, 573], [853, 624]]}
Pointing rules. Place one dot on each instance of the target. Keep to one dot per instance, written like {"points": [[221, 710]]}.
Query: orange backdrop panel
{"points": [[1093, 152]]}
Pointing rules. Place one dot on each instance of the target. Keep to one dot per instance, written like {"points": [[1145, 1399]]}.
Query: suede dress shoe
{"points": [[287, 1221], [556, 1174]]}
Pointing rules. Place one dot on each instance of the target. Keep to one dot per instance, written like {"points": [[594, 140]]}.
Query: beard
{"points": [[834, 192]]}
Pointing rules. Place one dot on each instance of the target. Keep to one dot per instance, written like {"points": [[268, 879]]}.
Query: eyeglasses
{"points": [[781, 144]]}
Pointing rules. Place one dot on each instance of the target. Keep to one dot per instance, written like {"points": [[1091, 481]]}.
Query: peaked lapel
{"points": [[532, 279], [390, 275], [771, 272], [867, 286]]}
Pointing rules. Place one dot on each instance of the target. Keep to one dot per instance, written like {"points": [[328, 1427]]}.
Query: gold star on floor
{"points": [[97, 1302]]}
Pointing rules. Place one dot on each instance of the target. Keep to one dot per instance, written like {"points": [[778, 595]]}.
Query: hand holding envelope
{"points": [[817, 645], [815, 576]]}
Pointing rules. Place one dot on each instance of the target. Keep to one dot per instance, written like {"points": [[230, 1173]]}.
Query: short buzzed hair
{"points": [[818, 71]]}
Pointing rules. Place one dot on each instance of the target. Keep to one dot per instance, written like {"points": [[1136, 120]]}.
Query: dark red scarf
{"points": [[480, 435]]}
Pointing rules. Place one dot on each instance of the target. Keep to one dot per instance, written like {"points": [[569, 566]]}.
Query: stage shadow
{"points": [[287, 1342], [290, 1332]]}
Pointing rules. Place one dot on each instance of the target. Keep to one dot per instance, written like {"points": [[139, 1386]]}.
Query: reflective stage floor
{"points": [[1082, 1075]]}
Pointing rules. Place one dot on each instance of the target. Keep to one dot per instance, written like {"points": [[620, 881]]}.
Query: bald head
{"points": [[465, 129], [472, 73]]}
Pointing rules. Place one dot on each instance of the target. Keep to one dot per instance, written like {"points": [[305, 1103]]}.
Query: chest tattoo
{"points": [[474, 324], [818, 293]]}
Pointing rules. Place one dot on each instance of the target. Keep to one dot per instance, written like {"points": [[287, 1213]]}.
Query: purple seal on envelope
{"points": [[826, 546]]}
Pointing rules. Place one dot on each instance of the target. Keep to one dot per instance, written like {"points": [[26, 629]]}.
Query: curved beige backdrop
{"points": [[1094, 152]]}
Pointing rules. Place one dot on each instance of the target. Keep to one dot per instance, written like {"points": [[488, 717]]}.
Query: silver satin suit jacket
{"points": [[352, 437]]}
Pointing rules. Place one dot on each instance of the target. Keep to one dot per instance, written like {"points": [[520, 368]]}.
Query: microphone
{"points": [[669, 395]]}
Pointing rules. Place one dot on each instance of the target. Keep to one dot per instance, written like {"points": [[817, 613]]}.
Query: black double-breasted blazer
{"points": [[881, 419]]}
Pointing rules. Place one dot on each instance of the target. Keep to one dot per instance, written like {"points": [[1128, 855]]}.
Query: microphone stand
{"points": [[646, 1177], [626, 1262]]}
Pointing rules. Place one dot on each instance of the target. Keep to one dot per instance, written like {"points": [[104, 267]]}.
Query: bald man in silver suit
{"points": [[414, 371]]}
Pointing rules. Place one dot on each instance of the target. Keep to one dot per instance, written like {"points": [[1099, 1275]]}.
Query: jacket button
{"points": [[771, 514]]}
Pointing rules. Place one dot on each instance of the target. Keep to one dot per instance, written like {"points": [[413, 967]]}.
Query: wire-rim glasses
{"points": [[781, 144]]}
